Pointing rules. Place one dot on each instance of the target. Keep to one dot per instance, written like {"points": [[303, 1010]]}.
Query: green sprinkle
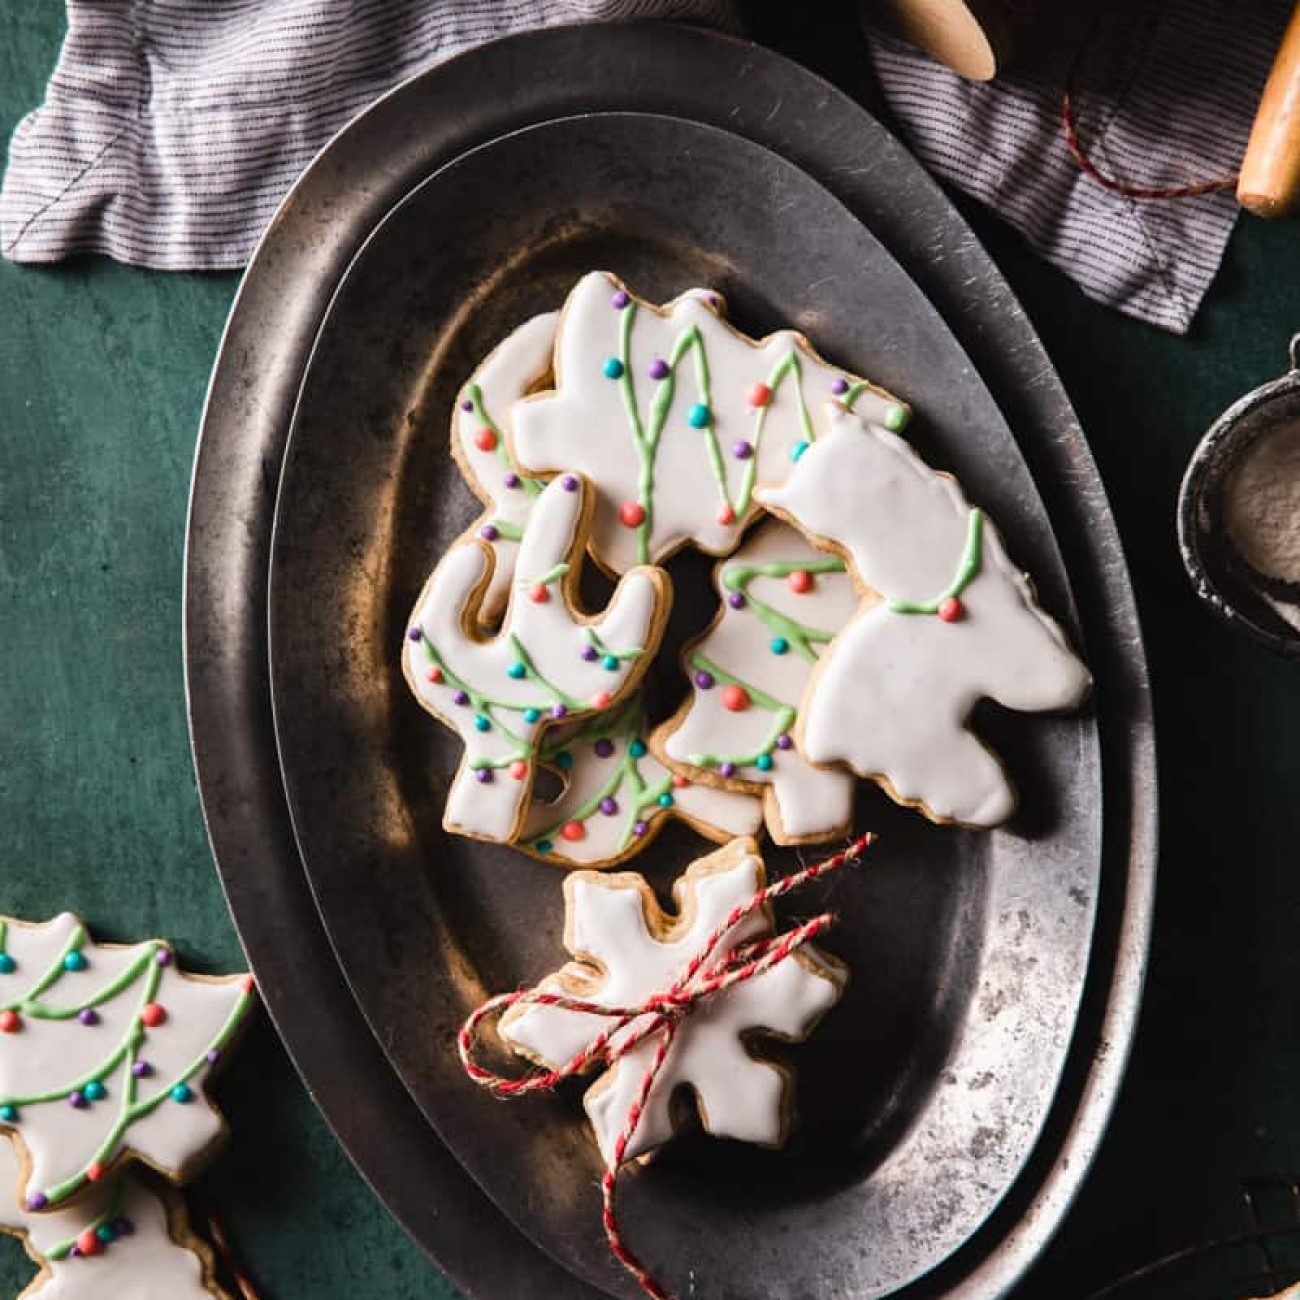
{"points": [[895, 418]]}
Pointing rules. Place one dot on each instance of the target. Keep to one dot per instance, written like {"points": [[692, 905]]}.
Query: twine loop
{"points": [[660, 1016]]}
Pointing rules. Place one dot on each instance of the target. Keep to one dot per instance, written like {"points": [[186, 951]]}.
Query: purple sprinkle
{"points": [[74, 1251], [590, 653], [783, 741], [704, 680], [839, 385], [742, 450], [37, 1201], [460, 698], [123, 1227], [620, 299], [213, 1056], [142, 1069], [511, 480], [736, 600], [604, 747], [483, 776], [569, 483], [76, 1100], [88, 1016], [467, 405], [640, 828], [659, 368], [415, 634], [559, 711], [608, 806], [727, 769], [489, 532], [163, 957]]}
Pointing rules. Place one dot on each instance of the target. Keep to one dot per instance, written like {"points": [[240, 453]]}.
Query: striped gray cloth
{"points": [[172, 128]]}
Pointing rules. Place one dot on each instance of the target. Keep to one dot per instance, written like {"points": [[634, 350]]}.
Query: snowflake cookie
{"points": [[626, 949], [517, 366], [548, 661], [104, 1055], [782, 601], [129, 1239], [946, 620], [676, 416], [617, 796]]}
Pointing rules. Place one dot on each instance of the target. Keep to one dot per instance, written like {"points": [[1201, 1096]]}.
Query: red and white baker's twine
{"points": [[660, 1014]]}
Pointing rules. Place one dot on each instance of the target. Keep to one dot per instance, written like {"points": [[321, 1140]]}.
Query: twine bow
{"points": [[660, 1015]]}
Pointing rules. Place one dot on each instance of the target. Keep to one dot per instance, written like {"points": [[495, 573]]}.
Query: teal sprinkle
{"points": [[106, 1233], [531, 715], [763, 762], [665, 800], [9, 1114], [780, 645], [798, 450], [516, 670], [565, 759], [481, 722], [75, 960], [182, 1093], [699, 416], [896, 418], [637, 749], [544, 846], [613, 368], [7, 964], [94, 1091], [609, 663]]}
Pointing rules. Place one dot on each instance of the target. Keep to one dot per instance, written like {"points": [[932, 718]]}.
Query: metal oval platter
{"points": [[924, 1093]]}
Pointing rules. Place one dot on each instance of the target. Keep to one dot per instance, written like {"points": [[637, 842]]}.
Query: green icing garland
{"points": [[531, 486], [967, 568], [800, 636]]}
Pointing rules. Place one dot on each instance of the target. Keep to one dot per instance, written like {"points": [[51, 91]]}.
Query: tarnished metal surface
{"points": [[376, 162]]}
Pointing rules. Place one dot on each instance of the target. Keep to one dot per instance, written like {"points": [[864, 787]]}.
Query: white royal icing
{"points": [[893, 697], [51, 1058], [623, 957], [142, 1261], [539, 668], [632, 433], [513, 368], [617, 794], [803, 803]]}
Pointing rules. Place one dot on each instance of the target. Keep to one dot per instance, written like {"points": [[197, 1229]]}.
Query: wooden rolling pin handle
{"points": [[1269, 184]]}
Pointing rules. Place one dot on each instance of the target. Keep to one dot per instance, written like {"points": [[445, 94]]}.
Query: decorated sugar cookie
{"points": [[676, 416], [625, 950], [128, 1239], [514, 368], [105, 1053], [548, 662], [782, 601], [946, 620], [618, 795]]}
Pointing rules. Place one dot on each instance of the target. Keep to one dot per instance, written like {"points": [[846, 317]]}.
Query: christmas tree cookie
{"points": [[617, 795], [946, 620], [676, 416], [548, 661], [105, 1053], [128, 1239], [782, 601], [518, 365], [625, 950]]}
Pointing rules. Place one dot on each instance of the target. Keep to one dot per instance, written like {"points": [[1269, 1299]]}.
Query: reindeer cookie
{"points": [[946, 620], [676, 416], [548, 661], [518, 365], [782, 601], [625, 950]]}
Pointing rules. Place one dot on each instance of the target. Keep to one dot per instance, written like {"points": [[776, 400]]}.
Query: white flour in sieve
{"points": [[1261, 504]]}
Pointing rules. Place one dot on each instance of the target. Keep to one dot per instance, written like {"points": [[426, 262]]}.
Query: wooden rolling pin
{"points": [[1269, 184]]}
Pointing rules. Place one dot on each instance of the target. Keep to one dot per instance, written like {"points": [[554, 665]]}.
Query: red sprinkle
{"points": [[631, 514], [89, 1243], [95, 1171], [801, 582], [726, 515], [485, 440], [760, 395], [573, 831], [248, 984], [735, 698], [539, 595], [679, 781], [601, 699], [435, 674], [10, 1022], [153, 1015], [951, 610], [519, 769]]}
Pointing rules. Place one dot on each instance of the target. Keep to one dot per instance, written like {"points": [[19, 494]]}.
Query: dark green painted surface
{"points": [[102, 373]]}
